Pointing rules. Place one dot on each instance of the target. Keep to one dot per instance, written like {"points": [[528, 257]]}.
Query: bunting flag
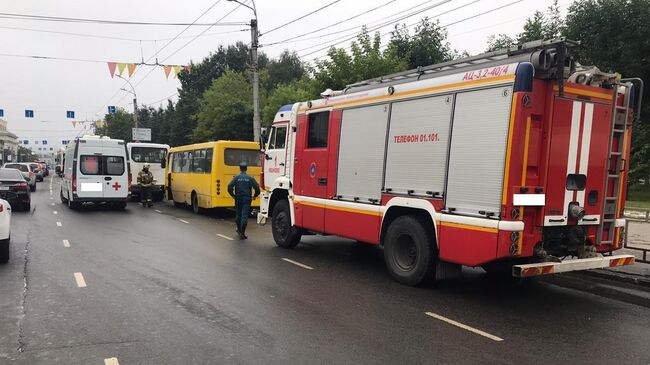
{"points": [[74, 124], [167, 69], [187, 68], [121, 67], [177, 69], [131, 67], [111, 68]]}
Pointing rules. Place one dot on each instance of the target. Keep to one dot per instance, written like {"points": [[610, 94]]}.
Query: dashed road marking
{"points": [[184, 221], [53, 204], [298, 264], [158, 211], [66, 243], [58, 224], [464, 326], [111, 361], [80, 280], [52, 197], [225, 237], [55, 212]]}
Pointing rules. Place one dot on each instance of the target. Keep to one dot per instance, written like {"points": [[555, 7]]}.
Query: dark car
{"points": [[36, 167], [14, 189]]}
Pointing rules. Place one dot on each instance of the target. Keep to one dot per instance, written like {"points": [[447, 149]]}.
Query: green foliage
{"points": [[119, 124], [284, 70], [25, 154], [226, 110], [301, 90], [500, 41], [427, 46]]}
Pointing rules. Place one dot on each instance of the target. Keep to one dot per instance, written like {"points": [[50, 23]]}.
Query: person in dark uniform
{"points": [[240, 188], [145, 180]]}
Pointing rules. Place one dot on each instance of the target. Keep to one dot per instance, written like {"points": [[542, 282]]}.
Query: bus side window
{"points": [[208, 160]]}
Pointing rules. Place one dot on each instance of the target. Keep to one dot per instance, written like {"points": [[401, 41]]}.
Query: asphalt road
{"points": [[162, 287]]}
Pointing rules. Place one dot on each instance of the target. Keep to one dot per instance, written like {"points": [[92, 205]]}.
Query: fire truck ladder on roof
{"points": [[545, 56], [615, 162]]}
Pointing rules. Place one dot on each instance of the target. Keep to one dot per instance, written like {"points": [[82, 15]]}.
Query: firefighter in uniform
{"points": [[145, 180], [240, 188]]}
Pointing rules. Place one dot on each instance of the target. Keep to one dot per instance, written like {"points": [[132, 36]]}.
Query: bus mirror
{"points": [[163, 163], [57, 169]]}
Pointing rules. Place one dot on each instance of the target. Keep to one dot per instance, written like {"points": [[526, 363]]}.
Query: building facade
{"points": [[8, 144]]}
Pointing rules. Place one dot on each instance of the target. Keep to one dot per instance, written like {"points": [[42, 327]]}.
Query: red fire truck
{"points": [[513, 160]]}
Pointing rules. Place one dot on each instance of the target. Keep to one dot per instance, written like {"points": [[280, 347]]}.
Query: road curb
{"points": [[618, 276]]}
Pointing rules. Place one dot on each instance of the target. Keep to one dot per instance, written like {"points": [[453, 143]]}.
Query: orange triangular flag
{"points": [[167, 69], [74, 124], [121, 67], [111, 68], [131, 68], [177, 69]]}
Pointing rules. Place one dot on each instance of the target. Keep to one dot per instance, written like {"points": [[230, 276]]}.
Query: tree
{"points": [[25, 154], [500, 42], [302, 90], [545, 26], [226, 110], [284, 70], [533, 28], [119, 124], [621, 43]]}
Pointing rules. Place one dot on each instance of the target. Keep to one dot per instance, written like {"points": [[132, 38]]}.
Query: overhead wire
{"points": [[104, 21], [329, 25], [301, 17]]}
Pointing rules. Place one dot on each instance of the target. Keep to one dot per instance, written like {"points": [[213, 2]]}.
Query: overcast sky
{"points": [[51, 87]]}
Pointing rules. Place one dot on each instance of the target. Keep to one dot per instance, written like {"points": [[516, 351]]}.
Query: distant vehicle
{"points": [[36, 167], [14, 189], [199, 174], [95, 170], [156, 155], [27, 172], [43, 167]]}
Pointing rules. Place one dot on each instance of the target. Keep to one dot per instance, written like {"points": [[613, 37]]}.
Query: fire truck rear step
{"points": [[546, 268]]}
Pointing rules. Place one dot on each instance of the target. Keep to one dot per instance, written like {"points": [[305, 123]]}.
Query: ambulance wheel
{"points": [[408, 251], [195, 203], [119, 205], [284, 234], [4, 251], [64, 200], [73, 205]]}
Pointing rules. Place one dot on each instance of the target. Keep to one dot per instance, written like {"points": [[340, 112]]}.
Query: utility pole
{"points": [[256, 81], [135, 112]]}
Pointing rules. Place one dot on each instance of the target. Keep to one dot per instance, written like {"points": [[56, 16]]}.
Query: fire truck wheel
{"points": [[409, 252], [284, 234]]}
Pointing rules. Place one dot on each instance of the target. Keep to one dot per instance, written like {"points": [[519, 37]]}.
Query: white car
{"points": [[5, 230]]}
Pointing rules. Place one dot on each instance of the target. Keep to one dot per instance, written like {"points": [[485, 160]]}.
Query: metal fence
{"points": [[636, 215]]}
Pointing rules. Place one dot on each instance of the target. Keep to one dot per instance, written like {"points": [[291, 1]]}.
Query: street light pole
{"points": [[257, 127], [135, 101]]}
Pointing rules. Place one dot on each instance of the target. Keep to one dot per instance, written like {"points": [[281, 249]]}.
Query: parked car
{"points": [[5, 230], [95, 170], [27, 172], [14, 189], [37, 170], [44, 168]]}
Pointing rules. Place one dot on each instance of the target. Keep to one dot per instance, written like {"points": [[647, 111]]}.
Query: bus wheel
{"points": [[409, 251], [284, 234], [195, 203]]}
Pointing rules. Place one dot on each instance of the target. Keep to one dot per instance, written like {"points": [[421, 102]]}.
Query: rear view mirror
{"points": [[57, 169], [163, 163]]}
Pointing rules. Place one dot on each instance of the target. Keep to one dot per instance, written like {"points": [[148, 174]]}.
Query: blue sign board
{"points": [[69, 114], [26, 141], [29, 113], [65, 141], [2, 113], [44, 141], [111, 109]]}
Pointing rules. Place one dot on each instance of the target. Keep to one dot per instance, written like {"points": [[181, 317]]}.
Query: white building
{"points": [[8, 143]]}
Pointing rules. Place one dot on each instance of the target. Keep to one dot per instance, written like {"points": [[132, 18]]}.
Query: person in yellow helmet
{"points": [[145, 180]]}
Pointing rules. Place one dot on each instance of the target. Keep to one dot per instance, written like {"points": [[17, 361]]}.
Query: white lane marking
{"points": [[464, 326], [58, 224], [66, 243], [55, 212], [298, 264], [158, 211], [52, 197], [111, 361], [53, 204], [226, 237], [184, 221], [80, 280]]}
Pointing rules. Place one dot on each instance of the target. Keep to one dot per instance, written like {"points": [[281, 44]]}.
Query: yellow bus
{"points": [[198, 174]]}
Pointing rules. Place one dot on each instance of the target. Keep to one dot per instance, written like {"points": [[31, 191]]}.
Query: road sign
{"points": [[141, 134], [2, 113], [111, 109], [69, 114], [29, 113]]}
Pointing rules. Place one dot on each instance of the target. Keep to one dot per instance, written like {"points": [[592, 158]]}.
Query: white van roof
{"points": [[146, 144]]}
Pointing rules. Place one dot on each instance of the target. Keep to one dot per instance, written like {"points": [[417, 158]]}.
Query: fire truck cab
{"points": [[512, 160]]}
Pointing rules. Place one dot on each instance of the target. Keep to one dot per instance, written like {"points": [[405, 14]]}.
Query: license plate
{"points": [[4, 188]]}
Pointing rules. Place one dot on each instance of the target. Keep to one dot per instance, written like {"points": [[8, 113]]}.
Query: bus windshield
{"points": [[148, 154], [233, 157]]}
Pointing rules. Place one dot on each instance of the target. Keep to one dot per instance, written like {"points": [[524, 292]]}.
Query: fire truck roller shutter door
{"points": [[478, 148], [417, 145], [361, 153]]}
